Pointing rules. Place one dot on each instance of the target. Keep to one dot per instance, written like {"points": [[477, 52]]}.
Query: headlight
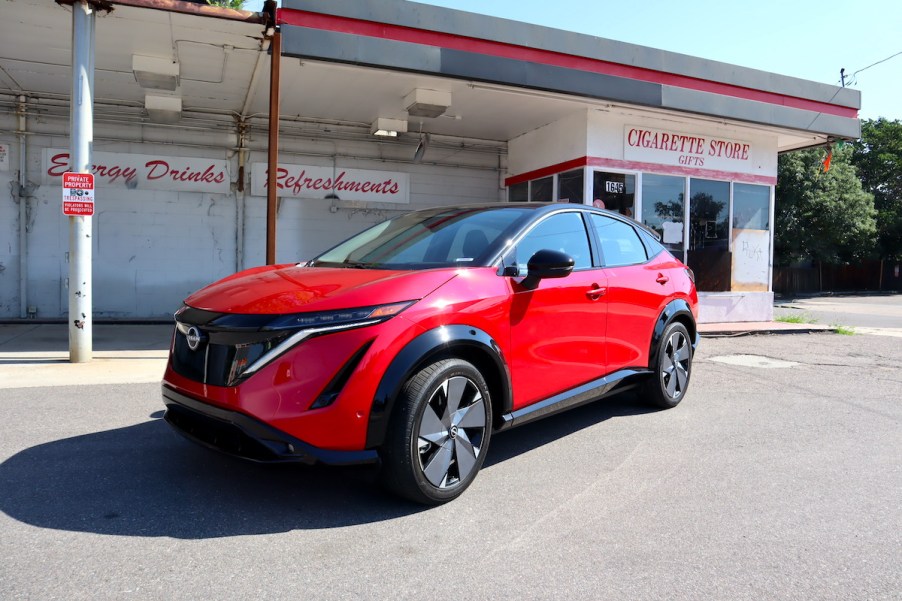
{"points": [[343, 317], [305, 325]]}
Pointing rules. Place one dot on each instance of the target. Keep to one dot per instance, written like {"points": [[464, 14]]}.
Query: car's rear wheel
{"points": [[672, 368], [439, 433]]}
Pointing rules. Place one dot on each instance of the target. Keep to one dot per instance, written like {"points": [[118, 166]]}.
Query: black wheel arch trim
{"points": [[677, 309], [440, 341]]}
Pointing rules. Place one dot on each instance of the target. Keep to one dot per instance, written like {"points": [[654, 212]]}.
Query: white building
{"points": [[483, 109]]}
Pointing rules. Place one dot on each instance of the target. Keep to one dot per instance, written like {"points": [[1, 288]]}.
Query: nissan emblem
{"points": [[194, 338]]}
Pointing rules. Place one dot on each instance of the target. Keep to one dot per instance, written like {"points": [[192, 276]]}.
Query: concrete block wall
{"points": [[152, 248]]}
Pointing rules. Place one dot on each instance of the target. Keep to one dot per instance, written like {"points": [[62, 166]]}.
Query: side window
{"points": [[564, 232], [620, 244]]}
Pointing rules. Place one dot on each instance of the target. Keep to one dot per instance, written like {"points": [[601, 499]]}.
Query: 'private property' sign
{"points": [[78, 194]]}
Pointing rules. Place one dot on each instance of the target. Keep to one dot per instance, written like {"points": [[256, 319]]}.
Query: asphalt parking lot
{"points": [[778, 477]]}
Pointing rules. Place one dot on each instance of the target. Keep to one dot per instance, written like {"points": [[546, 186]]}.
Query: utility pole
{"points": [[81, 137]]}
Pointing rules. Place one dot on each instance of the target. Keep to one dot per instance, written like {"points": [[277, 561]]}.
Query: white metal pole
{"points": [[81, 140]]}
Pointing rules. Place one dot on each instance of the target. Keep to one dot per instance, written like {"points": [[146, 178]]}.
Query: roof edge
{"points": [[426, 17]]}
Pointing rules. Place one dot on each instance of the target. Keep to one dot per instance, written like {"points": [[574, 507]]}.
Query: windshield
{"points": [[425, 239]]}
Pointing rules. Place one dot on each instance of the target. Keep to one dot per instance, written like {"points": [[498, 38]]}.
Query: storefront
{"points": [[707, 191], [387, 107]]}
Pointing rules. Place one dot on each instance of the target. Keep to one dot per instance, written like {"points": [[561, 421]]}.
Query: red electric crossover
{"points": [[411, 343]]}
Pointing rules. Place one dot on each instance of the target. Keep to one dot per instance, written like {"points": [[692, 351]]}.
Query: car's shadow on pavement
{"points": [[144, 480], [508, 444]]}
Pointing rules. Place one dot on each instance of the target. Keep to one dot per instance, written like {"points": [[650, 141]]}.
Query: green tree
{"points": [[236, 4], [822, 216], [878, 158]]}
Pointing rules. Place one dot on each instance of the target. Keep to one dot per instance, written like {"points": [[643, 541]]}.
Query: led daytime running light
{"points": [[335, 318], [311, 324]]}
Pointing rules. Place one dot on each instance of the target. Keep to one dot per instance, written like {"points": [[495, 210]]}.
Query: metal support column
{"points": [[273, 158], [81, 140]]}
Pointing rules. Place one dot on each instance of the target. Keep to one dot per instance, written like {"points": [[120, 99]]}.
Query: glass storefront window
{"points": [[518, 192], [709, 203], [751, 238], [541, 190], [695, 227], [751, 207], [709, 228], [662, 209], [615, 192], [570, 186]]}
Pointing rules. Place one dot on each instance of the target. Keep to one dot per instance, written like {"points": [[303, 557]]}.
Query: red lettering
{"points": [[632, 138], [300, 183], [158, 169], [59, 164], [691, 160]]}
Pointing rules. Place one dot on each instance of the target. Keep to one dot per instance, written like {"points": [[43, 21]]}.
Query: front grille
{"points": [[188, 363], [218, 434], [223, 355]]}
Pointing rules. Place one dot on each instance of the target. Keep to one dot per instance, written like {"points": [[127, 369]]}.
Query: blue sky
{"points": [[802, 38]]}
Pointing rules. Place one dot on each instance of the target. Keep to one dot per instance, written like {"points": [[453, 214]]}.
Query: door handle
{"points": [[662, 279], [596, 292]]}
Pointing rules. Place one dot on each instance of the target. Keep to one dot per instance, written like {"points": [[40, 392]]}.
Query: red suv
{"points": [[412, 342]]}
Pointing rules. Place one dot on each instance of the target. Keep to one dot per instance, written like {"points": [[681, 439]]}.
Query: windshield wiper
{"points": [[358, 264]]}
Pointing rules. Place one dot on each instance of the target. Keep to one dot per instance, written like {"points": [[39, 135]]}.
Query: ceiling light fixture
{"points": [[388, 128], [163, 109], [155, 73], [427, 103]]}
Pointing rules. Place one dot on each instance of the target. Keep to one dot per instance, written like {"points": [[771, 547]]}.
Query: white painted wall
{"points": [[152, 248], [564, 140]]}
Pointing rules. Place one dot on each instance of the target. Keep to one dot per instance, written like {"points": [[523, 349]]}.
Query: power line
{"points": [[842, 79]]}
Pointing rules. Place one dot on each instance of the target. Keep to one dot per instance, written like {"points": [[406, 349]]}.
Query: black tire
{"points": [[433, 451], [671, 368]]}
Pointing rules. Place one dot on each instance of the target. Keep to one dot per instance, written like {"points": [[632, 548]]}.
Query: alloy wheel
{"points": [[675, 365], [451, 431]]}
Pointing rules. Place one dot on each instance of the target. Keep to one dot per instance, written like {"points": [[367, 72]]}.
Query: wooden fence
{"points": [[863, 277]]}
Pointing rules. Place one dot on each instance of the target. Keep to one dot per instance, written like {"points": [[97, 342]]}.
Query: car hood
{"points": [[281, 289]]}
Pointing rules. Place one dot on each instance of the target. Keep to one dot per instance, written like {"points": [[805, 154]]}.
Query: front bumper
{"points": [[242, 436]]}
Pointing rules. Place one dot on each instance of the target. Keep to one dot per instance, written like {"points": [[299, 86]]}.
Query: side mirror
{"points": [[547, 263]]}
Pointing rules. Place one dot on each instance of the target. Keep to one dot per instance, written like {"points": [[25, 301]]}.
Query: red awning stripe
{"points": [[734, 176]]}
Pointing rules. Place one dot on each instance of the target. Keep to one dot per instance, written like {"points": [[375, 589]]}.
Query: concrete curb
{"points": [[714, 330]]}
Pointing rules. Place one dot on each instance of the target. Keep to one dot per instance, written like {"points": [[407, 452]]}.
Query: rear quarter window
{"points": [[620, 243]]}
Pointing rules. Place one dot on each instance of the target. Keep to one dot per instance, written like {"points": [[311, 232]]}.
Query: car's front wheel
{"points": [[439, 433], [672, 368]]}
